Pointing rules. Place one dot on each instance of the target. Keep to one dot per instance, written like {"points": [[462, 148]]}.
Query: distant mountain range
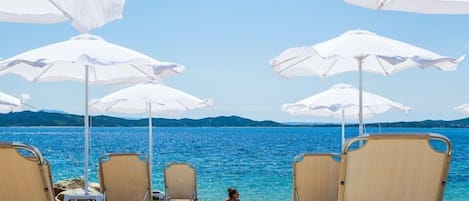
{"points": [[45, 118]]}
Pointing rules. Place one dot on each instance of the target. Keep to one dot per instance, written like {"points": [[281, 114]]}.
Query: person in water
{"points": [[233, 195]]}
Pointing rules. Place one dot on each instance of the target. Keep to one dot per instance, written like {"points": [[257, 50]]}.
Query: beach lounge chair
{"points": [[394, 167], [124, 177], [316, 177], [180, 182], [24, 173]]}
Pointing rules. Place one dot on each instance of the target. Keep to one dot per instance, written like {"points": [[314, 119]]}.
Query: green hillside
{"points": [[29, 118]]}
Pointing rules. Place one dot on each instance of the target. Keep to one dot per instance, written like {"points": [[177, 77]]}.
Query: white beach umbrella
{"points": [[358, 50], [10, 103], [68, 60], [30, 11], [464, 108], [89, 59], [341, 101], [416, 6], [84, 14], [152, 98]]}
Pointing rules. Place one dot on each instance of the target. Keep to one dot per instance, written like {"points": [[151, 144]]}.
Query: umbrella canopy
{"points": [[9, 103], [68, 60], [165, 101], [464, 108], [84, 14], [88, 59], [416, 6], [30, 11], [152, 98], [382, 55], [342, 97], [358, 50], [341, 101]]}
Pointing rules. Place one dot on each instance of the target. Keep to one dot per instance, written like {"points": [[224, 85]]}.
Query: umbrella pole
{"points": [[150, 145], [360, 114], [86, 148], [360, 97], [343, 129]]}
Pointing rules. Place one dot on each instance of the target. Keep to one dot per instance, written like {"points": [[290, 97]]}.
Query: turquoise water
{"points": [[256, 161]]}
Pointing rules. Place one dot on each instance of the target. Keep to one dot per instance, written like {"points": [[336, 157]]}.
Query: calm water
{"points": [[256, 161]]}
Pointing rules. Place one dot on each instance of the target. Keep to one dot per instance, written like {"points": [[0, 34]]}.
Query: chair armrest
{"points": [[297, 196], [146, 195]]}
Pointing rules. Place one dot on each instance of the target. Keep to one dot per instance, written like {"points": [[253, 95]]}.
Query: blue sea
{"points": [[256, 161]]}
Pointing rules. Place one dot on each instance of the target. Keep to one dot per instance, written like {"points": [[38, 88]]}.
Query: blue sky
{"points": [[226, 46]]}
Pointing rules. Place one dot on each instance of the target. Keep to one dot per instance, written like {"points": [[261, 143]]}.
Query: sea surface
{"points": [[256, 161]]}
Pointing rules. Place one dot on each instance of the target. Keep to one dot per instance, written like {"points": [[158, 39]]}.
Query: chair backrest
{"points": [[180, 181], [24, 173], [315, 177], [125, 177], [394, 167]]}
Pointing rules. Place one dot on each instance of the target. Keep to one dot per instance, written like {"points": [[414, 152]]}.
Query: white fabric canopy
{"points": [[358, 50], [153, 98], [30, 11], [330, 103], [10, 103], [166, 101], [416, 6], [89, 59], [464, 108], [84, 14], [108, 63], [89, 14], [341, 101], [383, 56]]}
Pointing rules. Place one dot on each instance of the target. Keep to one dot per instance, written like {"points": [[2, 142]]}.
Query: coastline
{"points": [[48, 119]]}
